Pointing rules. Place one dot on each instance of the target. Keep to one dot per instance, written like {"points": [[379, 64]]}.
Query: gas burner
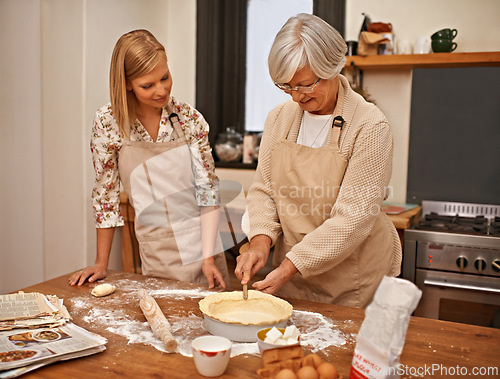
{"points": [[463, 218], [495, 227], [435, 221]]}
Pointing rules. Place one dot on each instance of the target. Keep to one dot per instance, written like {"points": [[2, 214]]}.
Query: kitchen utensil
{"points": [[229, 145], [404, 47], [245, 291], [211, 355], [445, 34], [243, 250], [159, 324], [352, 48], [422, 45], [443, 45]]}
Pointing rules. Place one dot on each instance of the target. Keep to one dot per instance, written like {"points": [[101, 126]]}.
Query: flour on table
{"points": [[317, 332]]}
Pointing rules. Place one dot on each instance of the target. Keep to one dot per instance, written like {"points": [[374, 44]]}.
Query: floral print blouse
{"points": [[105, 144]]}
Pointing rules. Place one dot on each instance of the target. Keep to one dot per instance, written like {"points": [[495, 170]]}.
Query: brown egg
{"points": [[312, 360], [307, 372], [286, 374], [327, 371]]}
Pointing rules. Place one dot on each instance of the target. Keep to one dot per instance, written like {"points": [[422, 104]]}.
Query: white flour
{"points": [[317, 332]]}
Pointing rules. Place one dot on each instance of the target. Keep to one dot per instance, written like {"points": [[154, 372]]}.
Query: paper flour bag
{"points": [[382, 335]]}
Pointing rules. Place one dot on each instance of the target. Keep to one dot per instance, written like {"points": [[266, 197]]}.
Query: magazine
{"points": [[31, 310], [35, 330], [27, 347]]}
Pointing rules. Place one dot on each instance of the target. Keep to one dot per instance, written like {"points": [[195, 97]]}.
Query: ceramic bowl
{"points": [[261, 336], [211, 355]]}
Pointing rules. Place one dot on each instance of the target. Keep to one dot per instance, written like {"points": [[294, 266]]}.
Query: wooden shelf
{"points": [[410, 61]]}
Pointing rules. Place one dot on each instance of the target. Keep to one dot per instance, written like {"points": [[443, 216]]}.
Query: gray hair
{"points": [[306, 40]]}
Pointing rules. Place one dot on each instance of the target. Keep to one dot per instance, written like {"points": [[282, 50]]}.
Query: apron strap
{"points": [[338, 120], [174, 120], [334, 135]]}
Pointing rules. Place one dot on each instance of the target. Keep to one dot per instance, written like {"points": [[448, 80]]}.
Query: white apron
{"points": [[159, 182], [296, 168]]}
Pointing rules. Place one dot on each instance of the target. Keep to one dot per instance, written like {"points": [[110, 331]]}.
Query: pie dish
{"points": [[226, 314], [259, 309]]}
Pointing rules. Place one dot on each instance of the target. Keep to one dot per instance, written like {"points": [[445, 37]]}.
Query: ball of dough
{"points": [[103, 290]]}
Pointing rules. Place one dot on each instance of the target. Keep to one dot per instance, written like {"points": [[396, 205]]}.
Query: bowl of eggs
{"points": [[269, 338]]}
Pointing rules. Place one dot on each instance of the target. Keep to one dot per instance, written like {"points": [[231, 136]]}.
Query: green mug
{"points": [[443, 45], [445, 34]]}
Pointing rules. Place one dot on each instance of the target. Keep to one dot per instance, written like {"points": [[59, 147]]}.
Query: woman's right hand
{"points": [[91, 273], [255, 258]]}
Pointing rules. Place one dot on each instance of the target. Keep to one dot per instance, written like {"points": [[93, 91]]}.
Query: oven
{"points": [[453, 256]]}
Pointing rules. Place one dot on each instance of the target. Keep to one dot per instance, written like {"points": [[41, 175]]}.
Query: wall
{"points": [[21, 234], [478, 30], [54, 75]]}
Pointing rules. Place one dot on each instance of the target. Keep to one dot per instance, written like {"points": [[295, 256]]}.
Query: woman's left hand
{"points": [[277, 278], [212, 274]]}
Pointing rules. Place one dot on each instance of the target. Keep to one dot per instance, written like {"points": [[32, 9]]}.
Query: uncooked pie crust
{"points": [[259, 309]]}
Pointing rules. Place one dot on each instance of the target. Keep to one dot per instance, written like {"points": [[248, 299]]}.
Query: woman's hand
{"points": [[92, 273], [277, 278], [212, 273], [249, 263]]}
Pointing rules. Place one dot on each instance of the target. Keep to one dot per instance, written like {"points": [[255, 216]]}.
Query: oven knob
{"points": [[480, 264], [462, 263], [496, 265]]}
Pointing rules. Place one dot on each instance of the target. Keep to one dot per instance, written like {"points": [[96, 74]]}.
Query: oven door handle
{"points": [[438, 283]]}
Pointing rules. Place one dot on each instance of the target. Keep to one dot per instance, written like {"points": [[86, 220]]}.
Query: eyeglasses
{"points": [[299, 89]]}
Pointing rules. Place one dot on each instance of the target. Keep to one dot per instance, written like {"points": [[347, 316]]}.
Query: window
{"points": [[264, 20], [221, 56]]}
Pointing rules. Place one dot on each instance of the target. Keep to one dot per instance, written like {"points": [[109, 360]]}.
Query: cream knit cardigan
{"points": [[366, 142]]}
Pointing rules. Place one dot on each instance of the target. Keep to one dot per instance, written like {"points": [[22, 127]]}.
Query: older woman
{"points": [[324, 164]]}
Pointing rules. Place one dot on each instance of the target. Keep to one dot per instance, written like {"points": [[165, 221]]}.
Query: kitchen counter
{"points": [[428, 342]]}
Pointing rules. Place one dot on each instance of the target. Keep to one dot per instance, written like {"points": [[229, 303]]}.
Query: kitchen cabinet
{"points": [[429, 343]]}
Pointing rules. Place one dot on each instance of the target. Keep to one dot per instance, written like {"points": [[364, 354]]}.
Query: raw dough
{"points": [[259, 309], [103, 290]]}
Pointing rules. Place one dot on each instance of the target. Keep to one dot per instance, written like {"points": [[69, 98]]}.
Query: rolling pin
{"points": [[157, 321]]}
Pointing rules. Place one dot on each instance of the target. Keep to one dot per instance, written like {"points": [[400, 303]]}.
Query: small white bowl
{"points": [[211, 355], [261, 336]]}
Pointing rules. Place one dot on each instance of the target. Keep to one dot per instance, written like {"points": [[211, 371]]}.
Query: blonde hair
{"points": [[135, 54], [306, 40]]}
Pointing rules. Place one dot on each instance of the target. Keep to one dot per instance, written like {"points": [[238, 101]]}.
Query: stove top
{"points": [[463, 218]]}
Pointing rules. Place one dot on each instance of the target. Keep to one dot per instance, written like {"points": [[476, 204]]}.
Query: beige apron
{"points": [[159, 181], [306, 183]]}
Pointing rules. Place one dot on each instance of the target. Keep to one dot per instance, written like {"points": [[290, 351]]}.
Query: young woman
{"points": [[158, 148]]}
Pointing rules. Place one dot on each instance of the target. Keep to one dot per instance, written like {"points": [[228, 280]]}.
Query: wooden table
{"points": [[428, 342]]}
